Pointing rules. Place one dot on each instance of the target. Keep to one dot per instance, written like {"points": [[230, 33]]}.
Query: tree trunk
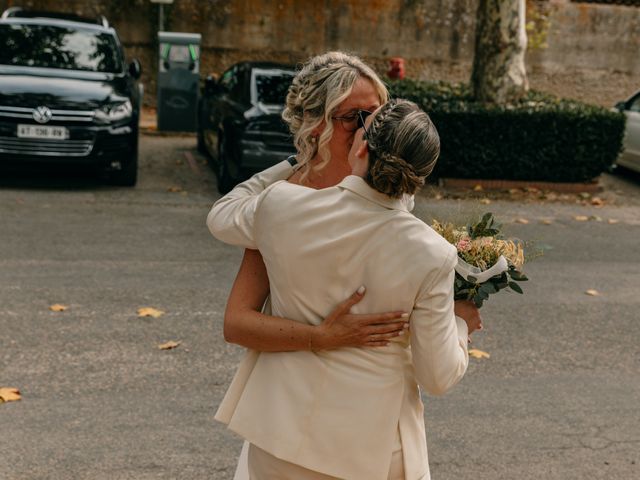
{"points": [[499, 75]]}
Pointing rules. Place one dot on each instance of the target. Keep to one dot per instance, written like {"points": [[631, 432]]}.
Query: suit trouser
{"points": [[264, 466]]}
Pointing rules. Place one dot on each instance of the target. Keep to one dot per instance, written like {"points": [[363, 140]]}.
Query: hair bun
{"points": [[393, 176], [403, 148]]}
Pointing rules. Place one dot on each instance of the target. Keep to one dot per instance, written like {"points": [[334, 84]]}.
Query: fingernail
{"points": [[406, 326], [404, 315], [361, 290]]}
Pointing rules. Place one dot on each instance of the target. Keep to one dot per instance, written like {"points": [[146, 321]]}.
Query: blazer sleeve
{"points": [[438, 337], [231, 218]]}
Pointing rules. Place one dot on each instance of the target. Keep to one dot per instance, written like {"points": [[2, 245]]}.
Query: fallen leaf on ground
{"points": [[478, 188], [613, 221], [581, 218], [546, 222], [475, 353], [597, 202], [592, 292], [58, 308], [485, 201], [174, 189], [585, 195], [150, 312], [524, 221], [168, 345], [9, 394]]}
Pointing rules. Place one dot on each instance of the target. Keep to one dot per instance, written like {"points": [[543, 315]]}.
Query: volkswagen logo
{"points": [[42, 114]]}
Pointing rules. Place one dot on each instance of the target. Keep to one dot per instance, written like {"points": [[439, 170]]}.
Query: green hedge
{"points": [[538, 138]]}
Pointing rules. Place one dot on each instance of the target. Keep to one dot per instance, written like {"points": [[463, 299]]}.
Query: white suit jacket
{"points": [[338, 411]]}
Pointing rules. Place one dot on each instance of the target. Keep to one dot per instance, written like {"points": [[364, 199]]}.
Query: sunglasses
{"points": [[354, 121]]}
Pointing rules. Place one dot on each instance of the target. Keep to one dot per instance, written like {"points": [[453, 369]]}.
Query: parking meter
{"points": [[178, 81]]}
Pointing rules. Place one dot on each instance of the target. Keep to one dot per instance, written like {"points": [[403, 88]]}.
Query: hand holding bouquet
{"points": [[487, 263]]}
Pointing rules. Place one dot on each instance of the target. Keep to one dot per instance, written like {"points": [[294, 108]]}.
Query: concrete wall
{"points": [[592, 53]]}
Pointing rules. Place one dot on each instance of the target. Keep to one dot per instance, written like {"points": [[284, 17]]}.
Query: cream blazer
{"points": [[338, 412]]}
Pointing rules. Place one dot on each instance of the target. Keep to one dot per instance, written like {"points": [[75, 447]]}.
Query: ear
{"points": [[360, 163], [363, 150]]}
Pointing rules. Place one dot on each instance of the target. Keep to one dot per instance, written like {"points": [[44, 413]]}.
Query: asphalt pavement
{"points": [[557, 398]]}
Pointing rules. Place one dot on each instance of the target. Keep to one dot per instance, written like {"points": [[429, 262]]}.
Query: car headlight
{"points": [[114, 112]]}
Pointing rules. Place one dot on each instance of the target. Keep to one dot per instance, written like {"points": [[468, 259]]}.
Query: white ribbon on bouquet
{"points": [[466, 270]]}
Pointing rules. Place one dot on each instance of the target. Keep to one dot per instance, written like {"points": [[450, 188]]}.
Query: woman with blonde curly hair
{"points": [[275, 451], [321, 110], [321, 107]]}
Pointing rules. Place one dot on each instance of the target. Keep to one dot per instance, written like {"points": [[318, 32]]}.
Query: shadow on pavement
{"points": [[50, 177], [627, 175]]}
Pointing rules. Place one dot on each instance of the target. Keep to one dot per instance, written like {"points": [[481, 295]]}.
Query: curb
{"points": [[153, 132], [560, 187]]}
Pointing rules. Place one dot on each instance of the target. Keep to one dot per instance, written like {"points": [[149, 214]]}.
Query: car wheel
{"points": [[127, 176], [225, 181]]}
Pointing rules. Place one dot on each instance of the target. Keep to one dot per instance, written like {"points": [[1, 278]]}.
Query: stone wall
{"points": [[592, 51]]}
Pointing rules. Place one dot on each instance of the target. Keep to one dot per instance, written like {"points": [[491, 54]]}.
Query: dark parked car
{"points": [[240, 125], [630, 155], [66, 95]]}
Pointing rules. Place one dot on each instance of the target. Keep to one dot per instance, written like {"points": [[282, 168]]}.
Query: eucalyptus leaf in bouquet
{"points": [[487, 262]]}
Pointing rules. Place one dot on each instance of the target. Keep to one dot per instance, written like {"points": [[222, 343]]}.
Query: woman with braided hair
{"points": [[349, 413], [402, 131]]}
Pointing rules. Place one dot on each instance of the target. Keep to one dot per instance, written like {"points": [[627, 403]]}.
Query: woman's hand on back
{"points": [[344, 329]]}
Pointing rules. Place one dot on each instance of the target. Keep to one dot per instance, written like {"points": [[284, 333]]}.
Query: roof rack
{"points": [[19, 12]]}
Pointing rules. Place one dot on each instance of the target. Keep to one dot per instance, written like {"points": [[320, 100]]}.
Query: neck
{"points": [[332, 174]]}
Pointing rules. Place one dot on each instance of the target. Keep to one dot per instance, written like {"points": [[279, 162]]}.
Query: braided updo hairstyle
{"points": [[403, 148], [317, 90]]}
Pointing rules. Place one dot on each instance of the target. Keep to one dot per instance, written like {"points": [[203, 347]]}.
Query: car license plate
{"points": [[38, 131]]}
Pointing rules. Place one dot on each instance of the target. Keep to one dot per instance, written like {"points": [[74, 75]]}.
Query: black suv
{"points": [[239, 120], [66, 95]]}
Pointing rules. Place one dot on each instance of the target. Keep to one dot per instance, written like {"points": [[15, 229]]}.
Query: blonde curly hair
{"points": [[317, 90], [403, 145]]}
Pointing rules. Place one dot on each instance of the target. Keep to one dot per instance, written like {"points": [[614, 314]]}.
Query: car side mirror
{"points": [[135, 69], [620, 106], [211, 85]]}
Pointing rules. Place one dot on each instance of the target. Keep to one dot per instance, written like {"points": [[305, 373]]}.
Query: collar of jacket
{"points": [[358, 186]]}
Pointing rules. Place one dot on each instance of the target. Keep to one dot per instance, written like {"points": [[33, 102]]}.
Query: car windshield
{"points": [[272, 87], [58, 47]]}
